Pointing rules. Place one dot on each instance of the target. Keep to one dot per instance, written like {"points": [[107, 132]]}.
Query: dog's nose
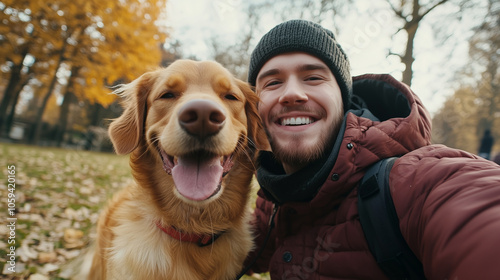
{"points": [[201, 118]]}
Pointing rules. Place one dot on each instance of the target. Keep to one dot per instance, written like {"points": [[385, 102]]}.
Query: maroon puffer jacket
{"points": [[448, 201]]}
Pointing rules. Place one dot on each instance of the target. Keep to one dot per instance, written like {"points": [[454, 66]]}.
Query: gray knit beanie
{"points": [[309, 37]]}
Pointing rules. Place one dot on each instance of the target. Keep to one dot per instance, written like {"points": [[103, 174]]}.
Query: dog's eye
{"points": [[230, 96], [167, 95]]}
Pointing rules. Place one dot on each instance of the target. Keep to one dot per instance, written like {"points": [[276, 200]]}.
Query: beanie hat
{"points": [[308, 37]]}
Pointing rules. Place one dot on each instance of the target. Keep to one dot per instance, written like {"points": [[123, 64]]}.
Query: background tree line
{"points": [[59, 59], [66, 54], [475, 105]]}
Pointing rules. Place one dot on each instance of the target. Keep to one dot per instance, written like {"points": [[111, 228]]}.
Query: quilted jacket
{"points": [[447, 200]]}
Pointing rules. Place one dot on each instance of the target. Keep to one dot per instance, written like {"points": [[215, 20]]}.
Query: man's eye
{"points": [[313, 78], [272, 83]]}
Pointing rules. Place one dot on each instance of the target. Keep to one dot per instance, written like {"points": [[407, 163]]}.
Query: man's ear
{"points": [[127, 130], [256, 131]]}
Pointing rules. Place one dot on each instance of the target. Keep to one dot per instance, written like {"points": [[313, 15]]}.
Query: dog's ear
{"points": [[256, 130], [126, 131]]}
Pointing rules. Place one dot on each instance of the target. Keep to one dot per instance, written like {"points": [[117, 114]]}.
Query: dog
{"points": [[192, 131]]}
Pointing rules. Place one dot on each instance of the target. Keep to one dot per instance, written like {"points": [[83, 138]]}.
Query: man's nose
{"points": [[293, 93]]}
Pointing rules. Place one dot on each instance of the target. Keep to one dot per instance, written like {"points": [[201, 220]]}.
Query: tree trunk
{"points": [[408, 58], [63, 117], [12, 109], [95, 119], [412, 20], [41, 109], [10, 91], [69, 98], [14, 80]]}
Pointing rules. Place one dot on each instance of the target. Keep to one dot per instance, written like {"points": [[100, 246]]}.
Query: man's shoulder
{"points": [[433, 167], [435, 151]]}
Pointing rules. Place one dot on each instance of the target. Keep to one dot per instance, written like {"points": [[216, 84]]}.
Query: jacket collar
{"points": [[280, 187]]}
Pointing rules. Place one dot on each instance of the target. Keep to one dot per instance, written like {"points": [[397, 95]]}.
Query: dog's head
{"points": [[196, 118]]}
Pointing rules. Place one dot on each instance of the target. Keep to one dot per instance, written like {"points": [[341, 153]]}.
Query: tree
{"points": [[93, 72], [16, 42], [412, 14], [475, 105], [68, 99], [101, 41], [453, 124], [171, 52], [46, 96], [484, 52], [236, 57]]}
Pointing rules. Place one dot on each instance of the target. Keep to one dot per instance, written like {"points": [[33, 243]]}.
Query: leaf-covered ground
{"points": [[58, 196]]}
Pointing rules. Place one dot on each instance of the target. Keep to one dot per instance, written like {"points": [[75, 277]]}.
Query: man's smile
{"points": [[292, 121]]}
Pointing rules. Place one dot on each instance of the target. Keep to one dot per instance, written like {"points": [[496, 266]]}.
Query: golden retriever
{"points": [[192, 130]]}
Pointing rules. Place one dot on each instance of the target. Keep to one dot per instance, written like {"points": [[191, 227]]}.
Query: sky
{"points": [[365, 35]]}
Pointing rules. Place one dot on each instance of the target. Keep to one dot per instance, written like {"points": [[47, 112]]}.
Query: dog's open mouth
{"points": [[198, 175]]}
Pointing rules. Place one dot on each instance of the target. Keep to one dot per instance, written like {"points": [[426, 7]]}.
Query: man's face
{"points": [[301, 107]]}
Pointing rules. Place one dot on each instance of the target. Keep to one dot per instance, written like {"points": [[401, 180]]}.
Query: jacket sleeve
{"points": [[448, 203], [260, 228]]}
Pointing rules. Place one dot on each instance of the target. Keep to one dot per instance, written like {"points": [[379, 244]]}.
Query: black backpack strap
{"points": [[380, 225]]}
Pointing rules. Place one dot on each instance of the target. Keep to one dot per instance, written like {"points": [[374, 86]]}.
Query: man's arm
{"points": [[448, 204]]}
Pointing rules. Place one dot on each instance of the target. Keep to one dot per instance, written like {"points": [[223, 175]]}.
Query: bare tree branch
{"points": [[432, 8], [394, 54], [397, 12]]}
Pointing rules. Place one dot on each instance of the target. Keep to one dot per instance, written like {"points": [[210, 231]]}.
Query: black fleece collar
{"points": [[300, 186]]}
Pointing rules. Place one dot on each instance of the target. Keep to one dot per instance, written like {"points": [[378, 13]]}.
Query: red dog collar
{"points": [[200, 239]]}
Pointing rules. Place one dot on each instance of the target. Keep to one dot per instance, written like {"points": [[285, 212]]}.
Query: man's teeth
{"points": [[296, 121]]}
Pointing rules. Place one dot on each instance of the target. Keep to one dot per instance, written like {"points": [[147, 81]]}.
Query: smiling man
{"points": [[326, 129], [301, 107]]}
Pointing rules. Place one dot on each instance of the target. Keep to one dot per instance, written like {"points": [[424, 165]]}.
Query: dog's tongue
{"points": [[197, 178]]}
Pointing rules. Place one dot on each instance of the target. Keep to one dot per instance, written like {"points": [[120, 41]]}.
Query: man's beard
{"points": [[302, 156]]}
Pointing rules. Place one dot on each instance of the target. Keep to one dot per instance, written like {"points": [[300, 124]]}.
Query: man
{"points": [[325, 129], [486, 145]]}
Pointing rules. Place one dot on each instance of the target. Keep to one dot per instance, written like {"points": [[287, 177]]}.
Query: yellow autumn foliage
{"points": [[106, 41]]}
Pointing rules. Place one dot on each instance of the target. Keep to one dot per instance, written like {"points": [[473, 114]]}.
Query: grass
{"points": [[56, 189]]}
